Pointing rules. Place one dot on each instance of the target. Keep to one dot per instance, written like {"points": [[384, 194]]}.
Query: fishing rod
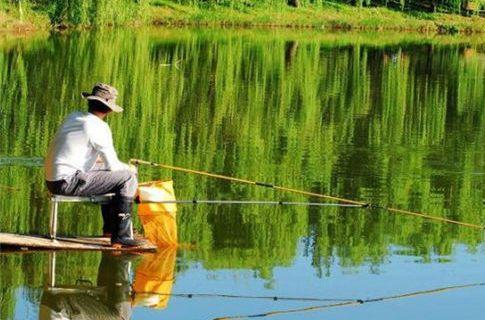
{"points": [[355, 302], [307, 193], [257, 202]]}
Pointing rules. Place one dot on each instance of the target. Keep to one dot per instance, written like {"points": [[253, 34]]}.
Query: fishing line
{"points": [[220, 295], [257, 202], [307, 193], [355, 302]]}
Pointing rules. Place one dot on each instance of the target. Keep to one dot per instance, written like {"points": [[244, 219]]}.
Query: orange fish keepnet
{"points": [[158, 219]]}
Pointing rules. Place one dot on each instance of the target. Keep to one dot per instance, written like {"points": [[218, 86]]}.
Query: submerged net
{"points": [[154, 279]]}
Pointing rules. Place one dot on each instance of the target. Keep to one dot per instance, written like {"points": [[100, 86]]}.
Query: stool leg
{"points": [[52, 269], [53, 219]]}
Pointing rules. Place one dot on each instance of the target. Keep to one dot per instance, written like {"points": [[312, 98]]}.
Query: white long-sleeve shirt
{"points": [[81, 139]]}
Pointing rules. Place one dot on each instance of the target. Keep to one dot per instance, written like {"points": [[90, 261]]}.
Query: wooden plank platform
{"points": [[36, 242]]}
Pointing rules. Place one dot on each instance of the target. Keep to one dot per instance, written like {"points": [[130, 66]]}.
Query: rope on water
{"points": [[355, 302], [307, 193]]}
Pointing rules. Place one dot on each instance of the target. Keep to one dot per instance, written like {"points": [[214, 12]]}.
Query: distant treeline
{"points": [[454, 6], [426, 5], [116, 12]]}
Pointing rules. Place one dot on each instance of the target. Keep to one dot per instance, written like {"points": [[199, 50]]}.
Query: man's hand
{"points": [[133, 168]]}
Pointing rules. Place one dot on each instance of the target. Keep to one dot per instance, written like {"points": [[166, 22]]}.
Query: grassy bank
{"points": [[327, 16], [22, 19]]}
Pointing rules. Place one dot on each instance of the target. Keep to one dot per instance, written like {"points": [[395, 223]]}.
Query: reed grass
{"points": [[98, 12], [66, 13]]}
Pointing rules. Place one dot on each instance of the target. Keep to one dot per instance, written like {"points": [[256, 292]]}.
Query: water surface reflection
{"points": [[376, 119]]}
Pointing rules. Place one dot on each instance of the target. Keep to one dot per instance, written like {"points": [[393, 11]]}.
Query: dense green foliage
{"points": [[64, 13], [427, 5], [400, 124], [89, 12], [96, 12]]}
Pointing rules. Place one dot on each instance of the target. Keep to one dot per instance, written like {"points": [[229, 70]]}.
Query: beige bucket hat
{"points": [[104, 93]]}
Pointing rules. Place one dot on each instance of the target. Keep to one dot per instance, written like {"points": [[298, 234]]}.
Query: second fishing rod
{"points": [[308, 193]]}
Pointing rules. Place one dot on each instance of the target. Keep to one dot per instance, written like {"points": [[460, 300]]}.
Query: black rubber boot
{"points": [[121, 232], [106, 211]]}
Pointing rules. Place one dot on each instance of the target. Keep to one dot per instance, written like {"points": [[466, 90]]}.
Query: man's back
{"points": [[72, 148]]}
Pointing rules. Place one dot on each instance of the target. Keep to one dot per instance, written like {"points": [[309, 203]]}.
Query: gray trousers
{"points": [[122, 183]]}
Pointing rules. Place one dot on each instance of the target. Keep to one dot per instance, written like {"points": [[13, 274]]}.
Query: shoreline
{"points": [[336, 38], [328, 19]]}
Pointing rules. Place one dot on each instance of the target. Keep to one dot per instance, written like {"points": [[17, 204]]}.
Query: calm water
{"points": [[381, 118]]}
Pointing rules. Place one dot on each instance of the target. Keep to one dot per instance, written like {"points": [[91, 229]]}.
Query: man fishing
{"points": [[82, 161]]}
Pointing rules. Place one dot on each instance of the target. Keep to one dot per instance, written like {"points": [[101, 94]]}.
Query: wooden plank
{"points": [[37, 242]]}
